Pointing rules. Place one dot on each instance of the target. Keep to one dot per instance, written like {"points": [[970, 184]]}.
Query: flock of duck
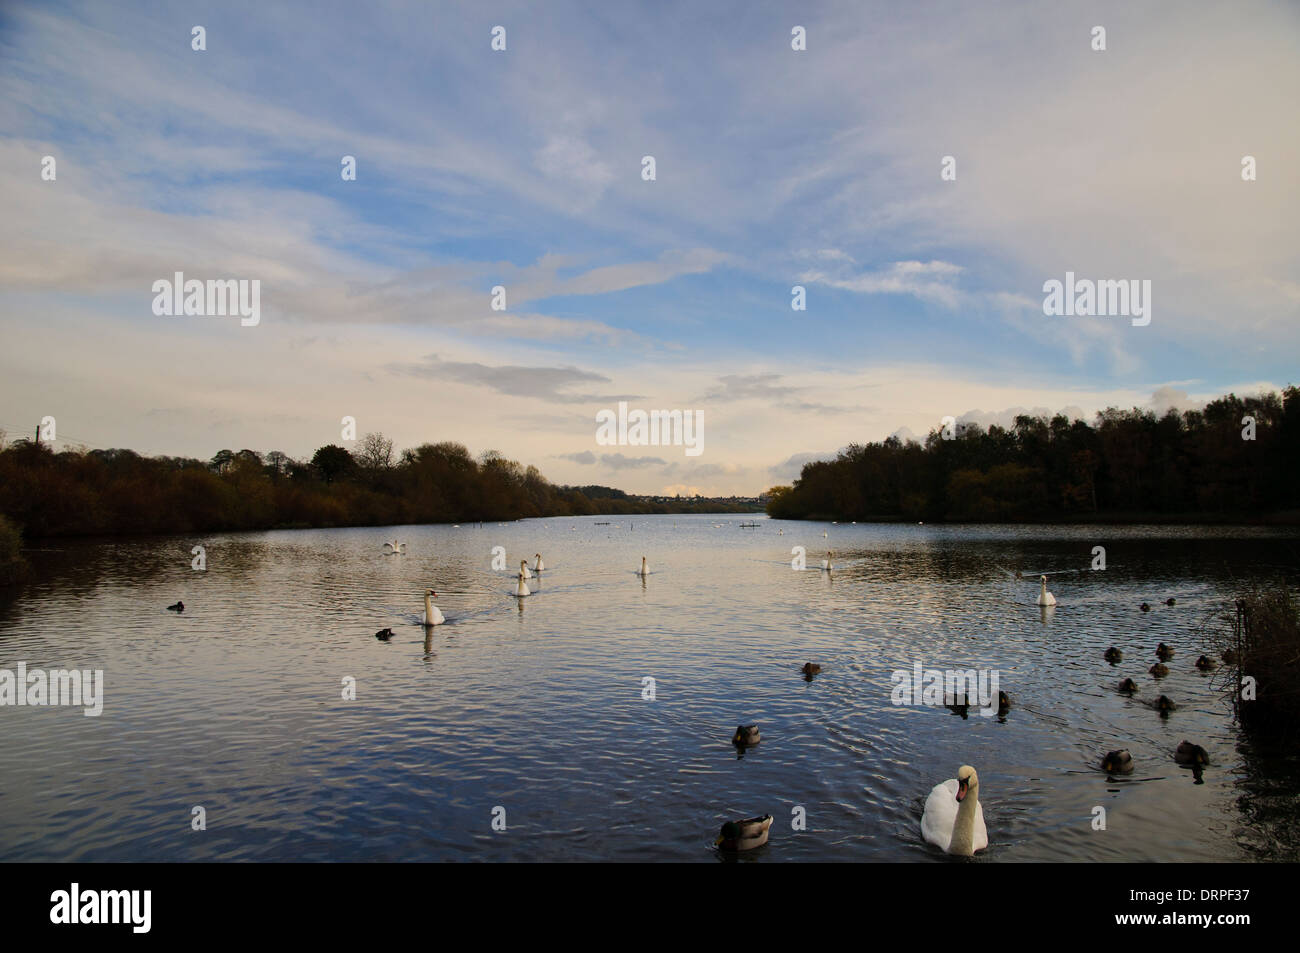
{"points": [[953, 817], [1120, 761]]}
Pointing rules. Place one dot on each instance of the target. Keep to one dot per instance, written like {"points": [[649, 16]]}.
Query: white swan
{"points": [[1045, 598], [540, 566], [523, 569], [953, 817], [432, 614], [398, 549], [644, 570], [522, 589], [826, 563]]}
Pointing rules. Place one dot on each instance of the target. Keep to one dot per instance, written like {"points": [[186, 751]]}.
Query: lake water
{"points": [[536, 707]]}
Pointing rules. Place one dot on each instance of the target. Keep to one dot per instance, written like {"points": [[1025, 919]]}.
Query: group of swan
{"points": [[521, 589]]}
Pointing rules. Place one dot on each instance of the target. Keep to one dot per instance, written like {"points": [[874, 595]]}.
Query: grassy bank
{"points": [[1261, 643], [12, 563]]}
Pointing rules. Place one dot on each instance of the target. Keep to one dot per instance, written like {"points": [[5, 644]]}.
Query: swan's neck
{"points": [[428, 607], [963, 828]]}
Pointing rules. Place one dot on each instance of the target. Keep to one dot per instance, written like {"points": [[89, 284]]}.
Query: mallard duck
{"points": [[1128, 686], [1164, 703], [1206, 664], [1230, 656], [1188, 753], [1171, 601], [177, 607], [744, 835], [1117, 762], [810, 669], [1004, 703], [1113, 655], [1164, 652], [383, 635], [746, 735], [1145, 608], [1159, 670]]}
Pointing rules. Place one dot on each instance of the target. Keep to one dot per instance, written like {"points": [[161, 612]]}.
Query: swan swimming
{"points": [[644, 570], [826, 563], [540, 566], [394, 548], [954, 818], [522, 589], [1045, 598], [432, 614], [523, 569]]}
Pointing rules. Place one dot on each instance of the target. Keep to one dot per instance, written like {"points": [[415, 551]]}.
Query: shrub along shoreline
{"points": [[120, 493], [1234, 461]]}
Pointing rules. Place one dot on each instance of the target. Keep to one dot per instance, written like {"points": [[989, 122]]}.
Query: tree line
{"points": [[1236, 458], [120, 492]]}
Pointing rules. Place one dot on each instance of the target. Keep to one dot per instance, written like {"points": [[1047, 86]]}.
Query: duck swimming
{"points": [[1164, 703], [1164, 652], [1188, 753], [1206, 664], [810, 669], [1171, 601], [746, 735], [1128, 686], [1113, 655], [744, 835], [383, 635], [1117, 762], [177, 607], [1145, 608], [1159, 670]]}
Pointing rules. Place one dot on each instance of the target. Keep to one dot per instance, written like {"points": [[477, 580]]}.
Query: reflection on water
{"points": [[536, 705]]}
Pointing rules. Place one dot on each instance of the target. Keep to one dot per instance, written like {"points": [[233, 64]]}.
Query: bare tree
{"points": [[375, 452]]}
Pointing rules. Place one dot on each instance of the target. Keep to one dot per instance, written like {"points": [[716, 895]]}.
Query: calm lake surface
{"points": [[536, 706]]}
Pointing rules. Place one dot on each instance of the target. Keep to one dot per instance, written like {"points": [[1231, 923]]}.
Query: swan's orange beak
{"points": [[961, 790]]}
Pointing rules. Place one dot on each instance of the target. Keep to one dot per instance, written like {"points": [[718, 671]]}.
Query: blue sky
{"points": [[522, 168]]}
